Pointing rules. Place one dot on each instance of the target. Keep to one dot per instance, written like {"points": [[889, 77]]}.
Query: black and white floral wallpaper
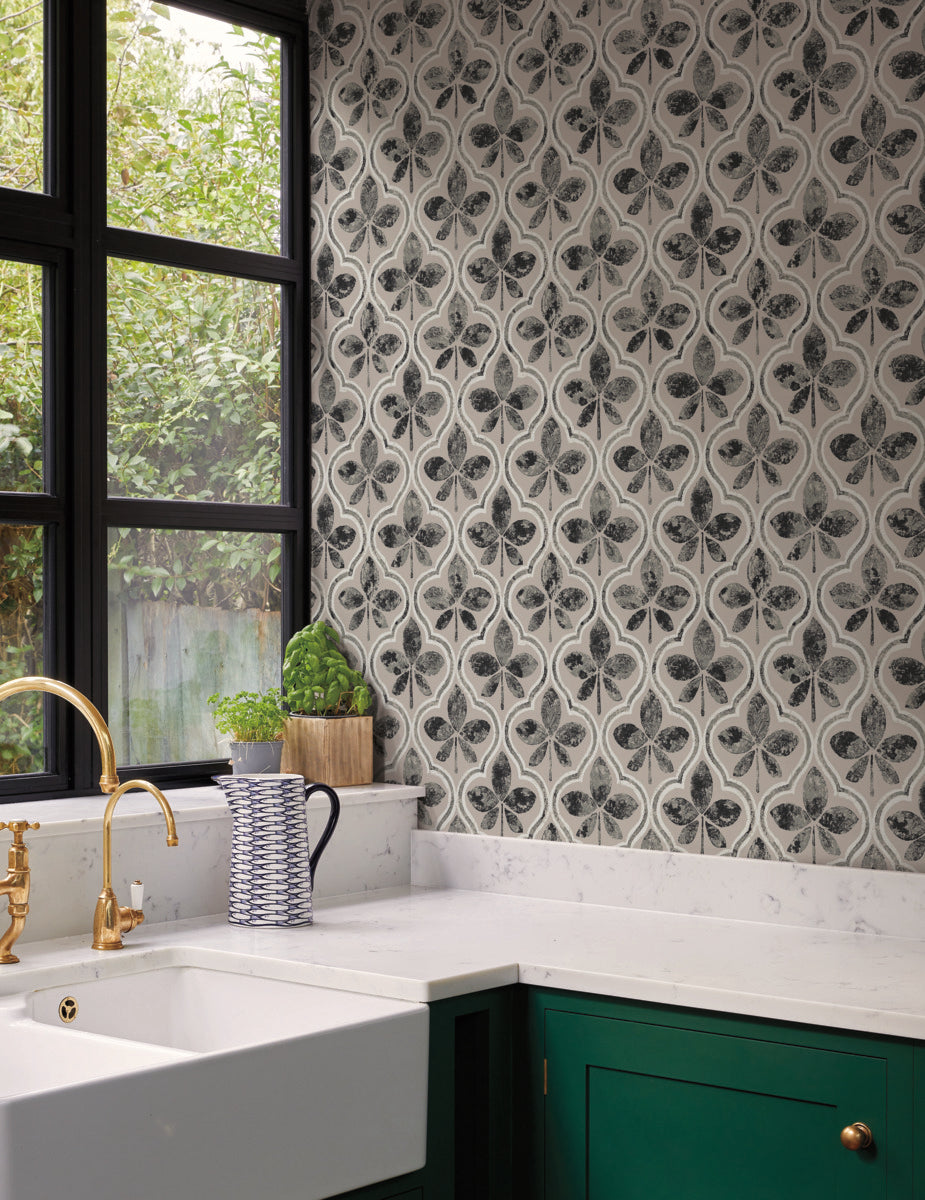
{"points": [[618, 374]]}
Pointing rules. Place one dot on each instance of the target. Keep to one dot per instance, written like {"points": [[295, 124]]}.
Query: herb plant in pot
{"points": [[328, 735], [255, 722]]}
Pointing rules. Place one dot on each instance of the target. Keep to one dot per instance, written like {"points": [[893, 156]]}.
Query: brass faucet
{"points": [[110, 919], [109, 780], [16, 886]]}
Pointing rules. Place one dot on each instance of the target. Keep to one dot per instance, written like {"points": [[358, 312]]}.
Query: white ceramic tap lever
{"points": [[138, 894]]}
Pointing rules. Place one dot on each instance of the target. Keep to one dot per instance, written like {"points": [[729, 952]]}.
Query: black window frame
{"points": [[64, 228]]}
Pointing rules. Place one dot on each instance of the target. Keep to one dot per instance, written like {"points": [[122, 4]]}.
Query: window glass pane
{"points": [[20, 377], [194, 385], [22, 101], [21, 649], [193, 127], [191, 613]]}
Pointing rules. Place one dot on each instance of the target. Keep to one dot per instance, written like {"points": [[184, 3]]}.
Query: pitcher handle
{"points": [[328, 829]]}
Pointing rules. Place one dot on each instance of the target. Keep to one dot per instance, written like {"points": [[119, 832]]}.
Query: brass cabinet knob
{"points": [[857, 1136]]}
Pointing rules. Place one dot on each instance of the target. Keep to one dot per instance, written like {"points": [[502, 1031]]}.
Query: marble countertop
{"points": [[422, 944]]}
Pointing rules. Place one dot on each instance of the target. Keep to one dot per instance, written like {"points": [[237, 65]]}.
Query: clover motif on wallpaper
{"points": [[764, 17], [504, 270], [875, 146], [910, 64], [761, 600], [876, 598], [757, 743], [328, 39], [651, 599], [601, 808], [552, 600], [550, 193], [597, 668], [876, 297], [598, 395], [550, 464], [701, 530], [874, 447], [909, 827], [815, 379], [815, 526], [455, 80], [816, 82], [367, 222], [862, 11], [910, 525], [704, 671], [504, 668], [329, 163], [872, 747], [329, 413], [600, 534], [908, 220], [506, 136], [648, 741], [455, 472], [654, 321], [496, 14], [910, 368], [504, 402], [454, 733], [371, 94], [815, 671], [758, 451], [814, 820], [328, 289], [501, 800], [458, 339], [411, 23], [410, 152], [706, 104], [552, 58], [457, 602], [553, 327], [703, 246], [413, 538], [412, 664], [758, 308], [910, 672], [700, 814], [650, 459], [413, 279], [759, 164], [817, 231], [370, 602], [410, 409], [653, 40], [597, 259], [599, 120], [550, 736], [328, 538], [368, 476], [457, 208], [706, 387], [652, 181], [504, 536], [371, 348]]}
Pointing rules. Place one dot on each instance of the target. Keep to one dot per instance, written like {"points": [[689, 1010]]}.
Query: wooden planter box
{"points": [[337, 751]]}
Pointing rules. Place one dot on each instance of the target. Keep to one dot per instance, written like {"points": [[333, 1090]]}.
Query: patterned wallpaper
{"points": [[618, 361]]}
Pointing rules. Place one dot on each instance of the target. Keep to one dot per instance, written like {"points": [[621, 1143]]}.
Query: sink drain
{"points": [[67, 1009]]}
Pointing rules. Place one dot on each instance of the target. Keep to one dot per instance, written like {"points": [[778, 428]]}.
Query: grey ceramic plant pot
{"points": [[256, 758]]}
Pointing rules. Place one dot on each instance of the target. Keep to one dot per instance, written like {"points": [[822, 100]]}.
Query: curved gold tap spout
{"points": [[111, 920], [109, 780]]}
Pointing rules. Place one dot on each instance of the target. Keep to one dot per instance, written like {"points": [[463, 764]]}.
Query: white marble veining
{"points": [[370, 849], [889, 903], [417, 944]]}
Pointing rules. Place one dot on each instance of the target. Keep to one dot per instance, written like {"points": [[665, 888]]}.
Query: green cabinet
{"points": [[647, 1103]]}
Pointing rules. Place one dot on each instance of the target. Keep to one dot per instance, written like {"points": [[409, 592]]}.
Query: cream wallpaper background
{"points": [[617, 377]]}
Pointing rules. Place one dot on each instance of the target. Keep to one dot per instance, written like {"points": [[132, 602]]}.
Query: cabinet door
{"points": [[639, 1111]]}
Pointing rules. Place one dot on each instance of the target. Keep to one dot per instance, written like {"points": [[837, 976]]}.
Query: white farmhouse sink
{"points": [[194, 1083]]}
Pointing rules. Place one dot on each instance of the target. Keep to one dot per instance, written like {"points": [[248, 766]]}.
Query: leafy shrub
{"points": [[317, 679]]}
